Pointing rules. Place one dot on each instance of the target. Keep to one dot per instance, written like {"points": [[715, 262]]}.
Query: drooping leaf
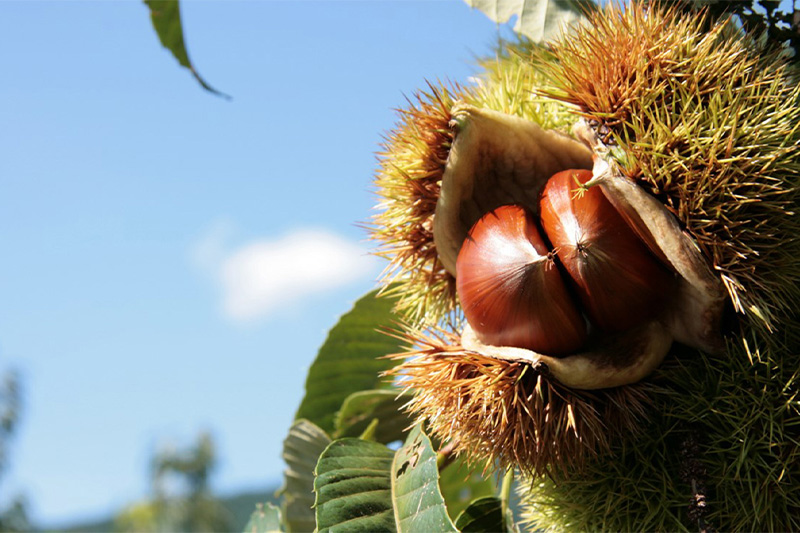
{"points": [[301, 450], [350, 360], [166, 18], [353, 487], [418, 503], [539, 20], [461, 484], [482, 515], [361, 408], [265, 519]]}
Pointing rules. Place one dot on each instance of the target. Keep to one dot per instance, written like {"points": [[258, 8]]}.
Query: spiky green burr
{"points": [[412, 162], [709, 124]]}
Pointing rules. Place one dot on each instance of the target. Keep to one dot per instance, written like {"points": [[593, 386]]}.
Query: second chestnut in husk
{"points": [[514, 293]]}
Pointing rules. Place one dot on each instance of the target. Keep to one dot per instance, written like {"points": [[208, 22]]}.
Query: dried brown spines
{"points": [[409, 182], [513, 412]]}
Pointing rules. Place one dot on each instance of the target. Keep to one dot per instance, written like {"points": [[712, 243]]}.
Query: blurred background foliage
{"points": [[13, 517]]}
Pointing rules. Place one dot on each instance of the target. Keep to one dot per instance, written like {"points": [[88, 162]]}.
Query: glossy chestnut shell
{"points": [[620, 283], [514, 294], [511, 290]]}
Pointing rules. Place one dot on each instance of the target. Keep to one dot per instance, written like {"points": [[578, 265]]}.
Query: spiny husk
{"points": [[409, 181], [710, 125], [412, 163], [510, 411], [742, 408]]}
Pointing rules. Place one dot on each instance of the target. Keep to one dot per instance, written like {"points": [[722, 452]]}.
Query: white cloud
{"points": [[265, 276]]}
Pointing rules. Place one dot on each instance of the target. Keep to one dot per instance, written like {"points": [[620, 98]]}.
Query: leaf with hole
{"points": [[418, 502], [364, 486]]}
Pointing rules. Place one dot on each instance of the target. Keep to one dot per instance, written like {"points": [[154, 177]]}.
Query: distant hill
{"points": [[241, 506]]}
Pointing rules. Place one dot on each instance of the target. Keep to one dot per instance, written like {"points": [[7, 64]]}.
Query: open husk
{"points": [[495, 160], [693, 133]]}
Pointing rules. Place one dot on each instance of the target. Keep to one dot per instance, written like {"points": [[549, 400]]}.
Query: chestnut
{"points": [[619, 281], [510, 288]]}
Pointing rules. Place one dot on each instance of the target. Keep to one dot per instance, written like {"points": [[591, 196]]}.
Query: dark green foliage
{"points": [[482, 515], [354, 487], [462, 484], [342, 398], [758, 17]]}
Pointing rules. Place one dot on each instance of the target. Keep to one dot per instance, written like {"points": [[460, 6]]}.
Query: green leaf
{"points": [[539, 20], [461, 483], [353, 487], [482, 515], [301, 450], [418, 503], [364, 486], [166, 17], [350, 360], [361, 408], [265, 519]]}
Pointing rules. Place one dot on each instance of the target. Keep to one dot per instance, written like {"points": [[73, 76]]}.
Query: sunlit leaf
{"points": [[539, 20], [301, 451], [166, 17], [418, 503], [350, 360]]}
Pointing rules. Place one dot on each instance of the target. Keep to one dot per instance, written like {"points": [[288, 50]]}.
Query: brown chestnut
{"points": [[511, 291], [619, 281]]}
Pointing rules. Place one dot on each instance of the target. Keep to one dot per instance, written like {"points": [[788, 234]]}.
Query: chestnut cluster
{"points": [[551, 284]]}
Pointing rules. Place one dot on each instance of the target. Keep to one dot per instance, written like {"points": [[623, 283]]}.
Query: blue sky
{"points": [[171, 260]]}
